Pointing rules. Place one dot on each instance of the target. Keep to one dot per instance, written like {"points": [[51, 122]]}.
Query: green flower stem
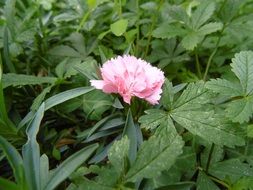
{"points": [[85, 17], [154, 17], [246, 147], [138, 29], [197, 64], [219, 182], [209, 158], [213, 53]]}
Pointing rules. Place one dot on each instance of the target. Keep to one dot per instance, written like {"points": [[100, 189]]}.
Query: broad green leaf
{"points": [[203, 12], [8, 185], [242, 66], [119, 27], [168, 31], [209, 28], [191, 39], [149, 6], [186, 161], [156, 154], [31, 151], [224, 87], [217, 154], [179, 14], [68, 166], [104, 176], [192, 112], [11, 79], [210, 127], [60, 69], [250, 131], [15, 161], [229, 10], [167, 95], [167, 52], [243, 183], [92, 185], [153, 118], [192, 97], [233, 169], [118, 154], [178, 186], [240, 110], [46, 4], [204, 182], [65, 51]]}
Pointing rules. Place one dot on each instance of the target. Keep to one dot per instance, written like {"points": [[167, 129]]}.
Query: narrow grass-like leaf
{"points": [[44, 170], [31, 151], [64, 96], [68, 166], [242, 66], [7, 59], [3, 112], [55, 100], [100, 124], [12, 79], [39, 99], [14, 159], [131, 133]]}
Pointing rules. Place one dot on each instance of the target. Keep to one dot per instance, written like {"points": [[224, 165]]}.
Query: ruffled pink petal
{"points": [[130, 76], [127, 98], [110, 88], [98, 84]]}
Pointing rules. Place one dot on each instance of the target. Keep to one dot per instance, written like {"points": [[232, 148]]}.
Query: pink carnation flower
{"points": [[129, 76]]}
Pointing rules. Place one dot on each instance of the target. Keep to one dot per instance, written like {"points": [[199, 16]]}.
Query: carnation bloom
{"points": [[129, 76]]}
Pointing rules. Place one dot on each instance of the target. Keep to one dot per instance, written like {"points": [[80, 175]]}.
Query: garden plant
{"points": [[126, 94]]}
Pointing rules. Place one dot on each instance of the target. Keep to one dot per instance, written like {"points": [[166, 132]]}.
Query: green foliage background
{"points": [[57, 132]]}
